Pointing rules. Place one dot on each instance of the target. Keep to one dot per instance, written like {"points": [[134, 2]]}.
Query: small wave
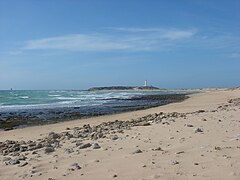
{"points": [[24, 97], [54, 95]]}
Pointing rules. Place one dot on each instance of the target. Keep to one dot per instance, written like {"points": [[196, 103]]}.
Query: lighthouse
{"points": [[145, 84]]}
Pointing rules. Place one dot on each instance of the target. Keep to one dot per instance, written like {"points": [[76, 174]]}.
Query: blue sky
{"points": [[62, 44]]}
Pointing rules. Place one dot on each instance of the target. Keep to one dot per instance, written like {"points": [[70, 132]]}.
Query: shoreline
{"points": [[20, 118], [194, 139]]}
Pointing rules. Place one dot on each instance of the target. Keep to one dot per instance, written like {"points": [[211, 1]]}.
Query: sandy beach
{"points": [[194, 139]]}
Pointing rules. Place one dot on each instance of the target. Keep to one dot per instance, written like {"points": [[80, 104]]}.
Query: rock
{"points": [[217, 148], [13, 162], [74, 167], [96, 146], [52, 135], [180, 152], [23, 164], [196, 164], [189, 125], [173, 162], [68, 151], [114, 137], [143, 124], [6, 159], [197, 130], [158, 149], [114, 176], [83, 146], [137, 151], [49, 150]]}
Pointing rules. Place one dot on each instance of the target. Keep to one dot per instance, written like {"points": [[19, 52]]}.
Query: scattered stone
{"points": [[13, 162], [189, 125], [6, 159], [137, 151], [68, 151], [114, 137], [49, 150], [74, 167], [217, 148], [158, 149], [173, 162], [84, 146], [115, 175], [196, 164], [96, 146], [180, 152], [197, 130], [143, 124], [23, 164]]}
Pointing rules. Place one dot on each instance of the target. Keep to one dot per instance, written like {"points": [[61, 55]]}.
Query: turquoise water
{"points": [[30, 99]]}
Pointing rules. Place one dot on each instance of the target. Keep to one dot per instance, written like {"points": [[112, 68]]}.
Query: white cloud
{"points": [[127, 39]]}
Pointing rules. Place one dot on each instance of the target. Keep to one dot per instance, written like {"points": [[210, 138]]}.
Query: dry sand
{"points": [[170, 148]]}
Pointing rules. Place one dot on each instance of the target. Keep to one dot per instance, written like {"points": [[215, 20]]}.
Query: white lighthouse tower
{"points": [[145, 84]]}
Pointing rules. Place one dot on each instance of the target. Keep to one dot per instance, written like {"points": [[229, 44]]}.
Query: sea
{"points": [[30, 107]]}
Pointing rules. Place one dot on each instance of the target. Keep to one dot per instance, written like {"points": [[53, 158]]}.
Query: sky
{"points": [[77, 44]]}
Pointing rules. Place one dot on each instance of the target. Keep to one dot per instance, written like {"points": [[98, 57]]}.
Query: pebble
{"points": [[114, 137], [23, 164], [96, 146], [83, 146], [197, 130], [49, 150], [137, 151], [173, 162]]}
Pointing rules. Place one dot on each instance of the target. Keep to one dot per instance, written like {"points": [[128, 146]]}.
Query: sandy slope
{"points": [[171, 149]]}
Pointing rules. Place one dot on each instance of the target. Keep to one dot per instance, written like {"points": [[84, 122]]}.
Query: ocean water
{"points": [[40, 99], [28, 108]]}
